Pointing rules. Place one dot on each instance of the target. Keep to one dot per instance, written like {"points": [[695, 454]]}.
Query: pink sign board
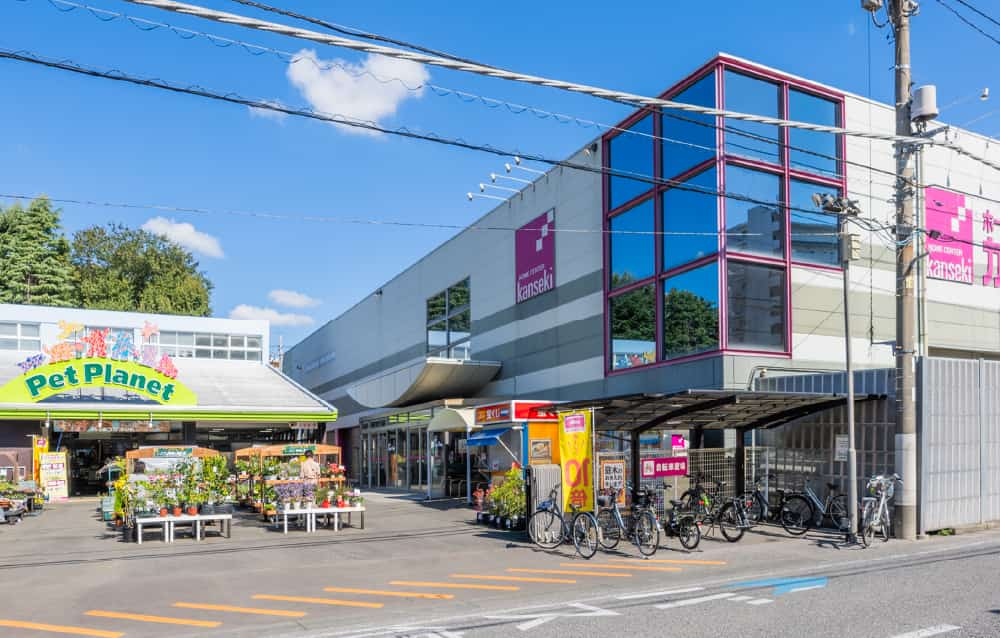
{"points": [[535, 257], [949, 257], [575, 423], [666, 466]]}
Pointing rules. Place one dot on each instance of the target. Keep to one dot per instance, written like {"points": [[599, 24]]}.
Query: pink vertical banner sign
{"points": [[949, 256], [535, 257]]}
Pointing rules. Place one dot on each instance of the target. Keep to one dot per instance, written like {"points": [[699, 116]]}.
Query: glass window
{"points": [[29, 329], [202, 353], [756, 313], [437, 307], [814, 235], [220, 354], [805, 107], [695, 130], [631, 153], [461, 351], [8, 329], [185, 338], [690, 211], [238, 354], [186, 353], [633, 328], [203, 340], [757, 97], [460, 326], [166, 338], [437, 336], [220, 341], [253, 355], [253, 342], [633, 245], [691, 312], [237, 341], [458, 296], [757, 226], [8, 344]]}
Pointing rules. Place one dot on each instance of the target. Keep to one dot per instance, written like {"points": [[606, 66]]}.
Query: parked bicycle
{"points": [[805, 510], [548, 528], [641, 527], [681, 523], [729, 514], [875, 508]]}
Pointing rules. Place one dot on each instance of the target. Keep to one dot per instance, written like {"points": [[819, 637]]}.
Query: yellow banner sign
{"points": [[575, 449], [93, 372]]}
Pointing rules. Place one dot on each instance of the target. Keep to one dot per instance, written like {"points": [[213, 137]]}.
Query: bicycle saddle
{"points": [[677, 504]]}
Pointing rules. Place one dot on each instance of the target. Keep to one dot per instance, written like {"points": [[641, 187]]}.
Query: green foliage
{"points": [[633, 315], [508, 498], [690, 323], [34, 257], [119, 268], [215, 477]]}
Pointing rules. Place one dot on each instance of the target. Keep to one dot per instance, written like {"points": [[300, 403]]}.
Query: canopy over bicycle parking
{"points": [[701, 410]]}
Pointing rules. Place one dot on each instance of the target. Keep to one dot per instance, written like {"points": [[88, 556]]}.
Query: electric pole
{"points": [[906, 408]]}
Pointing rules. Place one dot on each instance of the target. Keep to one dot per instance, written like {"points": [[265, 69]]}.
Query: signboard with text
{"points": [[535, 257], [52, 475], [575, 450], [665, 466], [949, 255], [613, 478]]}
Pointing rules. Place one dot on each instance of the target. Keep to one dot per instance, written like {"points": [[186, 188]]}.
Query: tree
{"points": [[34, 257], [690, 323], [119, 268]]}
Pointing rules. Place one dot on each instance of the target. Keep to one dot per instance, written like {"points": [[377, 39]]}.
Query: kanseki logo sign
{"points": [[535, 257]]}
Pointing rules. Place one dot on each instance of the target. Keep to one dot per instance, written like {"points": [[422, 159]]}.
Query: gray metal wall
{"points": [[959, 442]]}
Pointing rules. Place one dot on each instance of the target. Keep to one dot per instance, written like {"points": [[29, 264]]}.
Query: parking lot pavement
{"points": [[413, 566]]}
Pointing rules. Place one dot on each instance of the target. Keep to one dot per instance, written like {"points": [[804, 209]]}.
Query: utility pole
{"points": [[906, 408]]}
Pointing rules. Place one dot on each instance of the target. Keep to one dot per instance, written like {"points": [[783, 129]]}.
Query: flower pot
{"points": [[192, 510], [128, 534], [206, 508], [325, 504], [485, 517], [164, 511], [224, 508], [177, 511]]}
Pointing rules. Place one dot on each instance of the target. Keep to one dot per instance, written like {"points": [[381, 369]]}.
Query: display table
{"points": [[197, 522], [311, 513]]}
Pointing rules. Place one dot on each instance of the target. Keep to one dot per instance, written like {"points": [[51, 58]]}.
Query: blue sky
{"points": [[89, 139]]}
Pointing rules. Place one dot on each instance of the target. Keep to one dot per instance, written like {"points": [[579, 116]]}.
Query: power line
{"points": [[257, 50], [968, 5], [622, 97], [968, 22], [233, 98]]}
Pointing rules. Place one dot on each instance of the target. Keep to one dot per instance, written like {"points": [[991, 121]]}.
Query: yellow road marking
{"points": [[519, 579], [164, 620], [642, 568], [318, 601], [567, 572], [379, 592], [420, 583], [671, 561], [243, 610], [60, 629]]}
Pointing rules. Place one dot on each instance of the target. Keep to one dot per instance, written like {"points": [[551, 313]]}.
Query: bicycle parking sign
{"points": [[666, 466]]}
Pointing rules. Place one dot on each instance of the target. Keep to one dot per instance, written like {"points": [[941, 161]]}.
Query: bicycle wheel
{"points": [[730, 523], [585, 534], [756, 512], [886, 526], [688, 532], [796, 515], [646, 534], [867, 531], [545, 529], [611, 534], [839, 514]]}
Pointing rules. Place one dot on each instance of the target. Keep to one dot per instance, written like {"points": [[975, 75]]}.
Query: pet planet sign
{"points": [[535, 257]]}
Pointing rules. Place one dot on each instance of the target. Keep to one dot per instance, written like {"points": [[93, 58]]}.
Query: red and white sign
{"points": [[666, 466], [514, 412]]}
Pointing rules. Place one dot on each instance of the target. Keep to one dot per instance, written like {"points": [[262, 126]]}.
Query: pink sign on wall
{"points": [[949, 257], [666, 466], [535, 257]]}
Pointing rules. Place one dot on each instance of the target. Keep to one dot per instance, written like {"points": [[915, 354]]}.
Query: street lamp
{"points": [[849, 245]]}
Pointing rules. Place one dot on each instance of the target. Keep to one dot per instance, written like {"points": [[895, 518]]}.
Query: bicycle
{"points": [[731, 517], [875, 509], [548, 528], [680, 523], [804, 509], [641, 526]]}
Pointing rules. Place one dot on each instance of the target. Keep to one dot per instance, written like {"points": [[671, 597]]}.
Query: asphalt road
{"points": [[418, 571]]}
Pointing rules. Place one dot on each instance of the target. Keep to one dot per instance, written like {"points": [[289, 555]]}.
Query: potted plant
{"points": [[356, 500], [308, 494], [323, 497], [283, 494]]}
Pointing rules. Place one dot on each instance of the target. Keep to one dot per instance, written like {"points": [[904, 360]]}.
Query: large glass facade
{"points": [[449, 322], [672, 275]]}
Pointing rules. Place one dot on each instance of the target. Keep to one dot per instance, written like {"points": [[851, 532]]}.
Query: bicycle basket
{"points": [[890, 488], [603, 500]]}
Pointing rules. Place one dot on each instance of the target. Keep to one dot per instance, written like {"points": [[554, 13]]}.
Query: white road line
{"points": [[660, 593], [694, 601], [739, 599], [929, 631], [760, 601], [806, 588]]}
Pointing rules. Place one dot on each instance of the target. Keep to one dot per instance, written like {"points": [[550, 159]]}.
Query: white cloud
{"points": [[268, 114], [186, 235], [292, 299], [351, 90], [277, 318]]}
